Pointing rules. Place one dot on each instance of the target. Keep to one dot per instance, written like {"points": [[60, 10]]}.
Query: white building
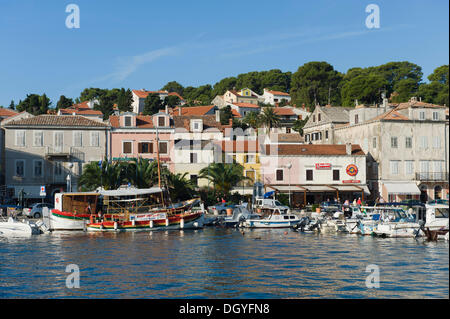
{"points": [[274, 97]]}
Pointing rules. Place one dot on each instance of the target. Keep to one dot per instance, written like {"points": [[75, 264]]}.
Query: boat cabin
{"points": [[78, 203]]}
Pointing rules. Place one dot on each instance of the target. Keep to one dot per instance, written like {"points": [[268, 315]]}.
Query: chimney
{"points": [[348, 148], [179, 110], [167, 109], [217, 115], [385, 100]]}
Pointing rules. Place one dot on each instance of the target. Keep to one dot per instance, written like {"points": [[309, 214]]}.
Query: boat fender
{"points": [[167, 221], [115, 225], [182, 223], [151, 224]]}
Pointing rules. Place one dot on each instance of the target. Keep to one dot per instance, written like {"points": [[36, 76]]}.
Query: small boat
{"points": [[272, 218], [395, 223], [13, 227], [239, 216], [436, 224], [308, 225]]}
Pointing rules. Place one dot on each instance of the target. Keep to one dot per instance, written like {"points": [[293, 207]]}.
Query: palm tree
{"points": [[142, 173], [108, 175], [180, 188], [269, 118], [252, 119], [223, 176]]}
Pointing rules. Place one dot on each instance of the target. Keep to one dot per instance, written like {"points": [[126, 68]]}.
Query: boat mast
{"points": [[157, 159]]}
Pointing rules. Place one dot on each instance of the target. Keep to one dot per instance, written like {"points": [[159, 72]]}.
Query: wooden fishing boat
{"points": [[184, 215]]}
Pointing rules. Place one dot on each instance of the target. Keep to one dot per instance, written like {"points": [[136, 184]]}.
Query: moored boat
{"points": [[14, 227], [272, 218]]}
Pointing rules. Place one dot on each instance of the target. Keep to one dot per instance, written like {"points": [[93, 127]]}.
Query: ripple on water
{"points": [[221, 263]]}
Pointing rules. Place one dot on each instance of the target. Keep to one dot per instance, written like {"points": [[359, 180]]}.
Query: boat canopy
{"points": [[130, 191]]}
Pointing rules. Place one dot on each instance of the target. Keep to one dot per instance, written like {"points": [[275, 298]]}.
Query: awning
{"points": [[130, 191], [285, 188], [318, 188], [352, 188], [403, 188]]}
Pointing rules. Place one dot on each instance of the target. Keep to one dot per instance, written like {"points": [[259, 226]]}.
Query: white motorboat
{"points": [[272, 218], [13, 227], [436, 224], [395, 222]]}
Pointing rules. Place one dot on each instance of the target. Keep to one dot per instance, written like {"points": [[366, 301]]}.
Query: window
{"points": [[193, 157], [394, 142], [127, 147], [95, 139], [319, 117], [38, 138], [374, 142], [422, 115], [38, 168], [394, 167], [127, 120], [423, 142], [161, 121], [435, 116], [288, 130], [424, 167], [20, 168], [58, 141], [250, 159], [336, 175], [309, 174], [279, 174], [58, 169], [77, 139], [356, 118], [163, 147], [314, 118], [20, 138], [409, 167], [436, 142], [438, 166], [408, 142], [326, 135], [145, 148]]}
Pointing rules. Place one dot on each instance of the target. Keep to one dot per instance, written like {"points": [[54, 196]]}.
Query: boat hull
{"points": [[67, 220], [180, 221], [264, 223], [15, 228]]}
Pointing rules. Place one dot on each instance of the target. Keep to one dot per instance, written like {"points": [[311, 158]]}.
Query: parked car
{"points": [[221, 208], [36, 210]]}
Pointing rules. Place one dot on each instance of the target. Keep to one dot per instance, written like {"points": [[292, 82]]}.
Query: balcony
{"points": [[431, 176], [64, 153]]}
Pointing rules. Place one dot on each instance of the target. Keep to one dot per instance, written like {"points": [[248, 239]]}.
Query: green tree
{"points": [[109, 175], [316, 83], [299, 124], [172, 100], [64, 102], [12, 106], [180, 188], [366, 88], [124, 100], [152, 104], [34, 104], [224, 176], [225, 115], [174, 86], [437, 90], [269, 118]]}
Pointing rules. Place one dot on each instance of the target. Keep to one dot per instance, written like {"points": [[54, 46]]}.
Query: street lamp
{"points": [[69, 178], [288, 166]]}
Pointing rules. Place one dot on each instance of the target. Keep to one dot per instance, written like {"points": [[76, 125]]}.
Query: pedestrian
{"points": [[359, 201], [88, 209], [354, 202]]}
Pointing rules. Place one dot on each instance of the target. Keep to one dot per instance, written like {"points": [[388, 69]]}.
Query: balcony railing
{"points": [[64, 152], [432, 176]]}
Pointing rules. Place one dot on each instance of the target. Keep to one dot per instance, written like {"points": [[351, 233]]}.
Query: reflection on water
{"points": [[221, 263]]}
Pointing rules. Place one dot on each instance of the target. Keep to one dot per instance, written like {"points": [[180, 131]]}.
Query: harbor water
{"points": [[221, 263]]}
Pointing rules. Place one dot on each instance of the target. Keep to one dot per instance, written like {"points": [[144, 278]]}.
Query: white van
{"points": [[271, 203]]}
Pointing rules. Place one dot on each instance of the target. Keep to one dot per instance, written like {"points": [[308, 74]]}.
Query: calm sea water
{"points": [[221, 263]]}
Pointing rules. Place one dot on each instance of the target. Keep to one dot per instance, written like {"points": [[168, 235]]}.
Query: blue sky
{"points": [[145, 44]]}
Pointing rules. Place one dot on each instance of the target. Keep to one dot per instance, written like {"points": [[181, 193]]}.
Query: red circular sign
{"points": [[352, 170]]}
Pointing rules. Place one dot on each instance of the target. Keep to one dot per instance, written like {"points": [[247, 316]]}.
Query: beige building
{"points": [[50, 151], [407, 148]]}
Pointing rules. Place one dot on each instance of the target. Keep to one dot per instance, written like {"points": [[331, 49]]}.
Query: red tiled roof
{"points": [[391, 115], [176, 94], [194, 110], [143, 94], [7, 112], [81, 111], [409, 104], [311, 149], [235, 113], [278, 93], [284, 111], [209, 121], [246, 105], [56, 120]]}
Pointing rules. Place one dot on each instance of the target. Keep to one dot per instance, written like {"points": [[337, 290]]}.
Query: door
{"points": [[58, 142]]}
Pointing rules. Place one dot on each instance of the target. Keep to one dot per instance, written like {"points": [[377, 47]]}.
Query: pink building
{"points": [[134, 136]]}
